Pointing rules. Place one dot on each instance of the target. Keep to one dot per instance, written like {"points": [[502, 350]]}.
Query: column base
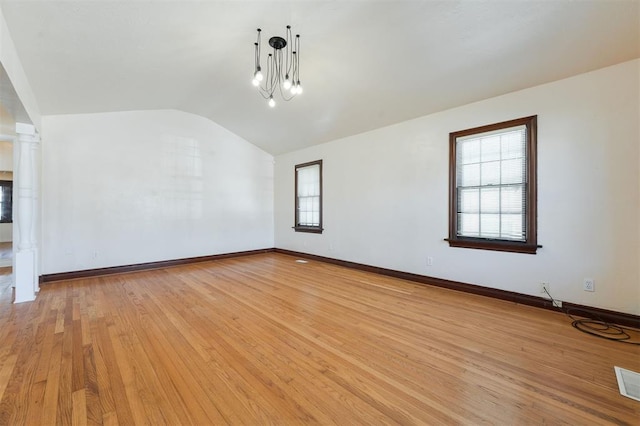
{"points": [[25, 276]]}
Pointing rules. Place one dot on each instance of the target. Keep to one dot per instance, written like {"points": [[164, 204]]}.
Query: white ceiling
{"points": [[364, 64]]}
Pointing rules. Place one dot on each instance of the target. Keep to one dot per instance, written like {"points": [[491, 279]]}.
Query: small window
{"points": [[492, 189], [309, 197], [6, 201]]}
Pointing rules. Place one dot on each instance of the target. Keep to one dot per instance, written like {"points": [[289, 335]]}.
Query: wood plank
{"points": [[67, 368], [113, 394], [79, 411], [265, 340], [52, 387]]}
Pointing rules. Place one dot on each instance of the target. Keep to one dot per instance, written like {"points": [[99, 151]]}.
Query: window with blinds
{"points": [[308, 200], [492, 188]]}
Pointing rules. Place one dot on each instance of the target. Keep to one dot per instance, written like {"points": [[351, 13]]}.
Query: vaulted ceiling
{"points": [[364, 64]]}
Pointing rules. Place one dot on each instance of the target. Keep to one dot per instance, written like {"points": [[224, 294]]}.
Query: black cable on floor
{"points": [[596, 327]]}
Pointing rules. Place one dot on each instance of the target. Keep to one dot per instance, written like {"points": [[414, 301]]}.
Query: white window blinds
{"points": [[491, 184], [308, 193]]}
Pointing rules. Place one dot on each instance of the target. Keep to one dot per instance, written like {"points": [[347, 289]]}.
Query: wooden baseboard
{"points": [[144, 266], [621, 318]]}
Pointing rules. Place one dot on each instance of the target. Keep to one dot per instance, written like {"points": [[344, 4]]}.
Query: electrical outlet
{"points": [[544, 288], [557, 303], [429, 261], [589, 284]]}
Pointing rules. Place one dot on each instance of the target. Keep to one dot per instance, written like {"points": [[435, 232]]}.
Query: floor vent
{"points": [[301, 261], [629, 383]]}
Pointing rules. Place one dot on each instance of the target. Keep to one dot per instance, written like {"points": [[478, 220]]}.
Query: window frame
{"points": [[7, 206], [305, 228], [530, 245]]}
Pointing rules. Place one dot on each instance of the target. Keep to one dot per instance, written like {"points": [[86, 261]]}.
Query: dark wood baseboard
{"points": [[145, 266], [621, 318]]}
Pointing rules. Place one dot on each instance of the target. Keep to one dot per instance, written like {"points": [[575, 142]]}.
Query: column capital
{"points": [[27, 133], [26, 129]]}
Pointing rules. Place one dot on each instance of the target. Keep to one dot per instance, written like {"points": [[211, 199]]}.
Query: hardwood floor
{"points": [[6, 254], [266, 340]]}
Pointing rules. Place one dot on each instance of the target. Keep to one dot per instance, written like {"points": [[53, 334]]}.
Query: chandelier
{"points": [[282, 73]]}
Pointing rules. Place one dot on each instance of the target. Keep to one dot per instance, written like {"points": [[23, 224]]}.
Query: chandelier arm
{"points": [[275, 76], [256, 61], [270, 72], [298, 57], [294, 67], [264, 93], [283, 95], [256, 57], [289, 49], [258, 49], [286, 52]]}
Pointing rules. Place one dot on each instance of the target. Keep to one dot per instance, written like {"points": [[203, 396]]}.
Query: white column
{"points": [[26, 270]]}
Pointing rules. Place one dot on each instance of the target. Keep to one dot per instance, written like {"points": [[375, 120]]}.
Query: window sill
{"points": [[495, 245], [310, 229]]}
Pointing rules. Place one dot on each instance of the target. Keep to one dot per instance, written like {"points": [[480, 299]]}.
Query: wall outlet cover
{"points": [[589, 284]]}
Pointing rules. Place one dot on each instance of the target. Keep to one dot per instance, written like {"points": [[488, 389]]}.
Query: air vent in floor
{"points": [[628, 382]]}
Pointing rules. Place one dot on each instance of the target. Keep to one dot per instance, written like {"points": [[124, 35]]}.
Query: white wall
{"points": [[386, 193], [6, 232], [133, 187], [6, 160]]}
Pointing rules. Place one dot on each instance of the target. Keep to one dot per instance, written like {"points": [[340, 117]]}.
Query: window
{"points": [[6, 201], [309, 197], [492, 187]]}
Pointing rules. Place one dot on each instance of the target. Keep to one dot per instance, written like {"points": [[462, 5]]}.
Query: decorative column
{"points": [[26, 208]]}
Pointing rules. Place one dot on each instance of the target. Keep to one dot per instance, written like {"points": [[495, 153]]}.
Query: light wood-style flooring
{"points": [[263, 339]]}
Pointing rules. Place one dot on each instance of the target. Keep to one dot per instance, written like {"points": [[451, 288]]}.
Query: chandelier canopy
{"points": [[282, 73]]}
